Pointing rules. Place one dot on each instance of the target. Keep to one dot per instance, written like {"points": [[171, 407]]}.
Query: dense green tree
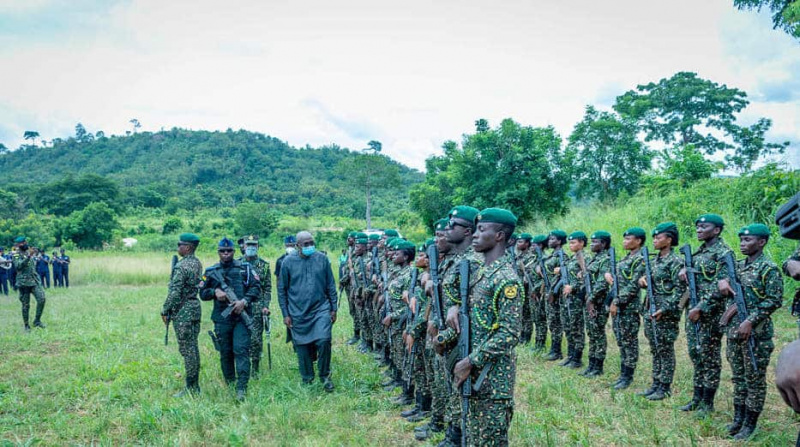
{"points": [[81, 135], [687, 164], [686, 109], [609, 157], [31, 135], [255, 218], [433, 198], [3, 149], [785, 13], [71, 194], [369, 172], [89, 227]]}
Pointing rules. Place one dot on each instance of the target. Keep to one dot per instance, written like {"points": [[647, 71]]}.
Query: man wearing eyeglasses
{"points": [[308, 300]]}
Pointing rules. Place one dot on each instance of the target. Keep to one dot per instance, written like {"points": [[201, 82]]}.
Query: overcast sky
{"points": [[411, 74]]}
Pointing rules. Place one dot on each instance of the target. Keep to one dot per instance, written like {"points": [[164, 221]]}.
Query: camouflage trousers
{"points": [[488, 421], [187, 333], [705, 353], [256, 338], [380, 334], [527, 322], [25, 293], [749, 384], [418, 369], [351, 305], [435, 367], [357, 311], [365, 320], [452, 414], [626, 325], [554, 323], [396, 349], [539, 316], [663, 355], [571, 307], [596, 330]]}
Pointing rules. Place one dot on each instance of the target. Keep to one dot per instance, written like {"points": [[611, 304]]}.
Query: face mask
{"points": [[251, 251], [23, 247], [291, 250], [308, 251]]}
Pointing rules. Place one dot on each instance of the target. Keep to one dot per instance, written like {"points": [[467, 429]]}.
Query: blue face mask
{"points": [[251, 251], [308, 251]]}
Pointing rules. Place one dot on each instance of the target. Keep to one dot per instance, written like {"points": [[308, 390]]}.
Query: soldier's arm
{"points": [[252, 290], [629, 286], [672, 305], [209, 284], [599, 285], [773, 296], [502, 340], [174, 290]]}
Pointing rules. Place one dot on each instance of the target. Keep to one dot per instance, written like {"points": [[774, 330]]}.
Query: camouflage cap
{"points": [[441, 224], [668, 228], [20, 239], [225, 243], [374, 237], [361, 235], [602, 235], [715, 219], [361, 241], [756, 229], [251, 240], [349, 235], [514, 236]]}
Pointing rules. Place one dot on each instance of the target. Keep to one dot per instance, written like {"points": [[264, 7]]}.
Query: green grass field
{"points": [[100, 374]]}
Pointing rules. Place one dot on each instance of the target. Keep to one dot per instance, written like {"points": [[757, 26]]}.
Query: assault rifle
{"points": [[525, 275], [268, 335], [587, 281], [411, 316], [216, 275], [690, 277], [169, 315], [651, 296], [741, 305], [540, 256], [387, 300], [564, 279], [436, 299], [614, 292]]}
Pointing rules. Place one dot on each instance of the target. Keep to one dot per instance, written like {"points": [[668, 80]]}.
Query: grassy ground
{"points": [[100, 374]]}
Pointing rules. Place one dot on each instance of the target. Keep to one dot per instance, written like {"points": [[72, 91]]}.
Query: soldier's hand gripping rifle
{"points": [[216, 275], [741, 305], [540, 257], [563, 279], [692, 288], [614, 292], [169, 315], [651, 296]]}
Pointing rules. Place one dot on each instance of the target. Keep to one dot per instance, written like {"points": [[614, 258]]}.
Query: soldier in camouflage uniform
{"points": [[596, 311], [259, 307], [360, 287], [762, 284], [667, 291], [625, 307], [346, 282], [523, 266], [706, 353], [414, 338], [573, 299], [398, 287], [791, 268], [27, 282], [555, 240], [495, 296], [537, 298], [183, 309]]}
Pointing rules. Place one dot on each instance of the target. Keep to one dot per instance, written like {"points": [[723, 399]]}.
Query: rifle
{"points": [[214, 340], [525, 275], [414, 311], [564, 280], [741, 305], [436, 300], [540, 256], [614, 292], [464, 344], [587, 281], [268, 335], [232, 299], [651, 296], [169, 315], [387, 307], [687, 261]]}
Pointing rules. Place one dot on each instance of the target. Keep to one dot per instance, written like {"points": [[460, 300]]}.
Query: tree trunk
{"points": [[369, 208]]}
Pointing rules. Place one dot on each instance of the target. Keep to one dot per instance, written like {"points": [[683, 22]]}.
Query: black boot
{"points": [[452, 437], [423, 432], [706, 406], [649, 391], [356, 337], [425, 409], [750, 422], [664, 390], [569, 356], [577, 359], [416, 409], [37, 319], [625, 378], [254, 366], [622, 370], [695, 402], [407, 398], [555, 350], [589, 369], [739, 412], [598, 368]]}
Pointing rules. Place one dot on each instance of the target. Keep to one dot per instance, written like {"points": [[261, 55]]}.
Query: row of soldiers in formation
{"points": [[42, 262], [405, 305]]}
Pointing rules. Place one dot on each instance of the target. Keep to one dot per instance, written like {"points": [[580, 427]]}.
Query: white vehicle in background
{"points": [[377, 231]]}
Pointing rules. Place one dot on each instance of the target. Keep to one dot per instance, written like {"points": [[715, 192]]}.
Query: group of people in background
{"points": [[43, 263]]}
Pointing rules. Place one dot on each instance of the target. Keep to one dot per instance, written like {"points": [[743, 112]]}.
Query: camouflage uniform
{"points": [[763, 286], [706, 353], [495, 314], [553, 309], [537, 301], [521, 260], [28, 282], [261, 268], [597, 267], [346, 281], [629, 270], [399, 283], [183, 309], [796, 301], [437, 365], [667, 291], [360, 294], [422, 350], [572, 308]]}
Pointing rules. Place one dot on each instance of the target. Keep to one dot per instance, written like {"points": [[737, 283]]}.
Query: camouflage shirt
{"points": [[709, 270], [763, 289], [26, 270], [418, 327], [524, 265], [598, 266], [451, 280], [667, 288], [495, 314], [181, 303], [575, 274], [629, 270], [550, 264], [400, 282], [360, 273], [261, 268]]}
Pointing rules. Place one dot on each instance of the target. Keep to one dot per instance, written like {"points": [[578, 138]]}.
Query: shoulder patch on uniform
{"points": [[511, 291]]}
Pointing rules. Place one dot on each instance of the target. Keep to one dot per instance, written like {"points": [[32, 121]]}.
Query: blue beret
{"points": [[225, 243], [292, 240]]}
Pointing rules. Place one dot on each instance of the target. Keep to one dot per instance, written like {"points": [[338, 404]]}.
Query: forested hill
{"points": [[188, 169]]}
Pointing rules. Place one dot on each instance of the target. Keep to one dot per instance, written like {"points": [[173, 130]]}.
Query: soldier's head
{"points": [[351, 239], [187, 244], [422, 255], [240, 243], [372, 240], [665, 235], [753, 238], [601, 240], [524, 242], [577, 241], [387, 234], [62, 252], [494, 227], [21, 243], [460, 224], [440, 236], [306, 243], [709, 226], [403, 253], [633, 238], [556, 239], [225, 250], [251, 246], [540, 240]]}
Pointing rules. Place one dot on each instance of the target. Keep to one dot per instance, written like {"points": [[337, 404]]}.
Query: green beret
{"points": [[360, 235], [561, 234], [539, 239], [391, 233], [665, 227], [636, 232], [577, 235], [404, 245], [430, 241], [757, 229], [189, 237], [604, 235], [352, 234], [374, 237], [20, 239], [497, 215], [467, 213], [715, 219], [514, 236], [361, 240], [390, 242], [526, 237], [441, 224]]}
